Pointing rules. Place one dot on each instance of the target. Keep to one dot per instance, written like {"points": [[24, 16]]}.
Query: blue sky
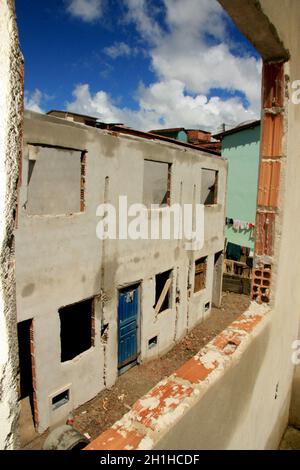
{"points": [[147, 63]]}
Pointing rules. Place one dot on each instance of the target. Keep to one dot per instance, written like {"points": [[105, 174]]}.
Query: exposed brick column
{"points": [[33, 371], [269, 178]]}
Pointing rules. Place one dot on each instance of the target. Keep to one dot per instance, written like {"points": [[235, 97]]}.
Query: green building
{"points": [[178, 133], [241, 146]]}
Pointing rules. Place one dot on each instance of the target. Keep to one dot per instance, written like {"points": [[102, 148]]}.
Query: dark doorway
{"points": [[218, 279], [25, 362]]}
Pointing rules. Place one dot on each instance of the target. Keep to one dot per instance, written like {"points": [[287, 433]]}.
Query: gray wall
{"points": [[61, 261], [54, 177]]}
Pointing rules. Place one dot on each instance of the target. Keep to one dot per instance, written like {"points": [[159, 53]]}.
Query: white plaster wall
{"points": [[11, 95]]}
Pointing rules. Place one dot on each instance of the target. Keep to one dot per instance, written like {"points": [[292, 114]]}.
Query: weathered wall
{"points": [[54, 181], [11, 110], [242, 152], [287, 294], [236, 393], [60, 260], [266, 387]]}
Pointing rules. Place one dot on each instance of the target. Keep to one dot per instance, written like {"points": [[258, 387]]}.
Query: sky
{"points": [[146, 63]]}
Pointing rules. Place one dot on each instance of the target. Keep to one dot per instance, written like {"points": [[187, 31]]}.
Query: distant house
{"points": [[197, 137], [240, 146], [178, 133]]}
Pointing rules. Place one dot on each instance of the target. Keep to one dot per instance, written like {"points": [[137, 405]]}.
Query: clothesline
{"points": [[237, 224]]}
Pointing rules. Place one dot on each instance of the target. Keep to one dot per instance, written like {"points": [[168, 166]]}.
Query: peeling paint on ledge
{"points": [[117, 438], [153, 414], [163, 399]]}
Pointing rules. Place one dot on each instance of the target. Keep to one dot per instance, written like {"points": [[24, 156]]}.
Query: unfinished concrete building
{"points": [[89, 308]]}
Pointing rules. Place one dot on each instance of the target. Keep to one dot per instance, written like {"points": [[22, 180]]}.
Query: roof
{"points": [[66, 113], [199, 130], [122, 129], [178, 129], [166, 131], [238, 128], [151, 136]]}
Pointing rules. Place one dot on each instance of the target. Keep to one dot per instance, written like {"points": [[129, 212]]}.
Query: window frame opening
{"points": [[166, 201], [163, 296], [212, 198], [70, 348], [60, 399], [33, 157], [198, 271]]}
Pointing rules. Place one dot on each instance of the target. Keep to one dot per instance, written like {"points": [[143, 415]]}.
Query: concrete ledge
{"points": [[152, 416], [266, 40]]}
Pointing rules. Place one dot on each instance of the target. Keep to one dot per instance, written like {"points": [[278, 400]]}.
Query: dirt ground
{"points": [[108, 406], [291, 439]]}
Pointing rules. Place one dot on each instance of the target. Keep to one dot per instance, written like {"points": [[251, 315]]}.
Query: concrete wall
{"points": [[241, 149], [11, 114], [155, 185], [60, 260], [236, 393], [53, 181]]}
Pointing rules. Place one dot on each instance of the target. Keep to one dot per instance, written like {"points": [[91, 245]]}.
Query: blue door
{"points": [[128, 322]]}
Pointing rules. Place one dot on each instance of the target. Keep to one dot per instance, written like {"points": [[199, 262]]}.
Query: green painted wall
{"points": [[241, 149], [181, 135]]}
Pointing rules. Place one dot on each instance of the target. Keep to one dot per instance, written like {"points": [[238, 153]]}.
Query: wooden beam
{"points": [[162, 296]]}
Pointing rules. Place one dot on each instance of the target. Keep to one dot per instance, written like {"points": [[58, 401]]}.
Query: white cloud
{"points": [[32, 101], [162, 104], [87, 10], [98, 105], [119, 49], [191, 56], [139, 13], [195, 50]]}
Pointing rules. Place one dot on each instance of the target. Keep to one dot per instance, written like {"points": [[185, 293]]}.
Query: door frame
{"points": [[138, 285], [33, 394]]}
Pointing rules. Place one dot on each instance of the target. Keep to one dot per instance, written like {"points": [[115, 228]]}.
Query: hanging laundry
{"points": [[236, 224], [233, 251]]}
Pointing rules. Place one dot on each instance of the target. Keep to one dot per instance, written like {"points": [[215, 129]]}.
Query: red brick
{"points": [[228, 338], [246, 323], [116, 439], [194, 371], [160, 395], [265, 232], [268, 184], [271, 146], [273, 85]]}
